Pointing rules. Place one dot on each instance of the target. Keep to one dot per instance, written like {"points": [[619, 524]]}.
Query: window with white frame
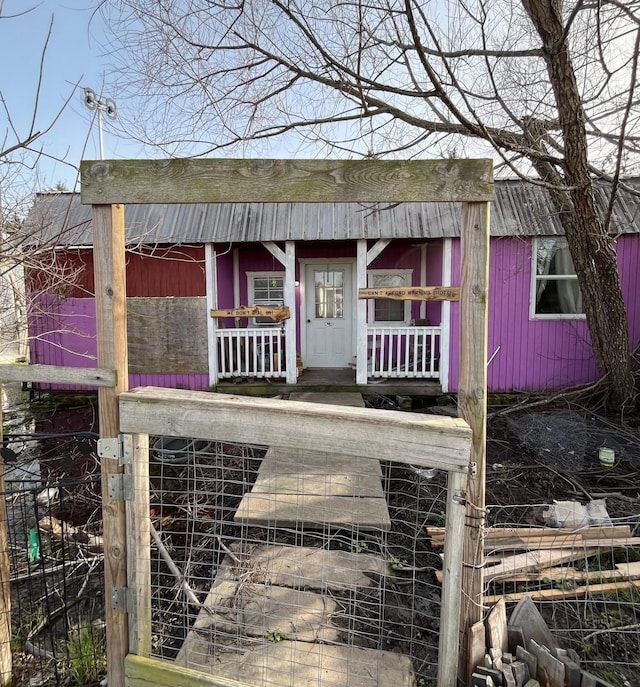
{"points": [[266, 289], [555, 292], [387, 310]]}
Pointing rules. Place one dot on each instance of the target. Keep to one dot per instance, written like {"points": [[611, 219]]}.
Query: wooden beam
{"points": [[413, 293], [278, 314], [424, 440], [55, 374], [150, 672], [472, 402], [278, 181], [111, 328], [449, 640], [376, 249]]}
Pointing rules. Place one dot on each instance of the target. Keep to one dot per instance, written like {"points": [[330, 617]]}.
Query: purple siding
{"points": [[537, 355]]}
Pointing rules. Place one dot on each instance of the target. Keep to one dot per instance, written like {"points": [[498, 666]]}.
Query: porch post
{"points": [[445, 319], [361, 313], [211, 279], [290, 300]]}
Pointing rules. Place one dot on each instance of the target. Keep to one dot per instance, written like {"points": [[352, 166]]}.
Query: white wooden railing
{"points": [[250, 352], [403, 352]]}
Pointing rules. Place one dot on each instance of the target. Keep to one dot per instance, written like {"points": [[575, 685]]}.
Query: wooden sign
{"points": [[413, 293], [276, 314]]}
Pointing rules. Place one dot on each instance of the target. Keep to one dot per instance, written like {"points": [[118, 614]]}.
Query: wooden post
{"points": [[449, 641], [5, 586], [472, 404], [361, 314], [139, 557], [111, 329]]}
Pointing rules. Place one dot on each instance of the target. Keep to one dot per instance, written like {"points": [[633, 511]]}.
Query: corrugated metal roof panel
{"points": [[519, 209]]}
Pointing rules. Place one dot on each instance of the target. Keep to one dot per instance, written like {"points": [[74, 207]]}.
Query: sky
{"points": [[74, 55]]}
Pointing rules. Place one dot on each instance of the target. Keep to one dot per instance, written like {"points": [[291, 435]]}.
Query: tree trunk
{"points": [[591, 248]]}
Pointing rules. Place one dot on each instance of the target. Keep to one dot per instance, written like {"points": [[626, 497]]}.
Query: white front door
{"points": [[329, 307]]}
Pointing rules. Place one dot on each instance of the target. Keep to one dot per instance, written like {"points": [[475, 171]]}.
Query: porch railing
{"points": [[404, 352], [250, 352]]}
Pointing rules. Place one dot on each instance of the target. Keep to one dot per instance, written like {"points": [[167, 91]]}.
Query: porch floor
{"points": [[332, 380]]}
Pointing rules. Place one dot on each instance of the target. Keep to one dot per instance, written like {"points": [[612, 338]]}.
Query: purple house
{"points": [[184, 261]]}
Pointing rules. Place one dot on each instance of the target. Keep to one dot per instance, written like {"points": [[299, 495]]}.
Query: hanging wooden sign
{"points": [[276, 314], [413, 293]]}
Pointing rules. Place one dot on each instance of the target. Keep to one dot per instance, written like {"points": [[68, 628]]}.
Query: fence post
{"points": [[472, 406], [111, 329], [449, 642], [5, 585]]}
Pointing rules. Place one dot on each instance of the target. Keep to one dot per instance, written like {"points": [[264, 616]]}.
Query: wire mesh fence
{"points": [[55, 559], [263, 561], [582, 572]]}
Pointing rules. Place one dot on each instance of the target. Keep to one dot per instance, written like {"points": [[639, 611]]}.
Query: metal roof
{"points": [[519, 209]]}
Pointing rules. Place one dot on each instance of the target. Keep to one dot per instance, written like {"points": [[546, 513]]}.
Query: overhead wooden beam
{"points": [[424, 440], [413, 293], [54, 374], [278, 314], [291, 181]]}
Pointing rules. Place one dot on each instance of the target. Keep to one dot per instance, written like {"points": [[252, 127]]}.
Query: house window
{"points": [[387, 310], [266, 289], [555, 290]]}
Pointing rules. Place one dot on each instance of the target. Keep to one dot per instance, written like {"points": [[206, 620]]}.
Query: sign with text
{"points": [[413, 293], [276, 314]]}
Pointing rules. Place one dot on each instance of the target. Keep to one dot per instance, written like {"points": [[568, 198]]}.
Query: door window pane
{"points": [[329, 294]]}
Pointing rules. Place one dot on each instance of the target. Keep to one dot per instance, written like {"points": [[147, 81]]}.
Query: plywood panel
{"points": [[167, 335]]}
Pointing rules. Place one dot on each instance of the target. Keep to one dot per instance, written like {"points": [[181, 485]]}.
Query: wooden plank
{"points": [[450, 630], [166, 335], [290, 461], [5, 575], [247, 609], [534, 560], [496, 624], [152, 672], [472, 399], [554, 594], [422, 440], [55, 374], [138, 551], [290, 566], [539, 533], [111, 327], [276, 314], [550, 670], [413, 293], [302, 664], [304, 510], [285, 181], [290, 325], [574, 540], [623, 571], [362, 338], [347, 484]]}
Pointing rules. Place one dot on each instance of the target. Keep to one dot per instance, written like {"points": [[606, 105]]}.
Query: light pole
{"points": [[97, 103]]}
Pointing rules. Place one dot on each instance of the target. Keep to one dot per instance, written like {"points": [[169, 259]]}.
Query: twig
{"points": [[604, 631], [186, 588], [228, 551]]}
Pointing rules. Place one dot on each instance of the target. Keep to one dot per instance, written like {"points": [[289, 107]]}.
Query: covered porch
{"points": [[331, 330]]}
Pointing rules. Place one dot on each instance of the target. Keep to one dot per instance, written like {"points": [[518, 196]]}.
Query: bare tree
{"points": [[548, 87]]}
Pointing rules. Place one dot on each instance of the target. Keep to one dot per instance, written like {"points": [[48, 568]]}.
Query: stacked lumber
{"points": [[523, 653], [538, 554]]}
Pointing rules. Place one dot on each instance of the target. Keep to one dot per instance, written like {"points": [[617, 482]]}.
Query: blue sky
{"points": [[75, 54]]}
